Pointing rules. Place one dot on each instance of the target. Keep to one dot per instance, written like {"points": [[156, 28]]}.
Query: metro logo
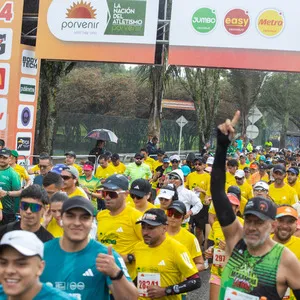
{"points": [[270, 23]]}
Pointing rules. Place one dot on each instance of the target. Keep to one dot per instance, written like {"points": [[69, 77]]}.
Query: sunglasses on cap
{"points": [[175, 177], [34, 207], [173, 212], [174, 161], [133, 196], [259, 189], [66, 177], [112, 194], [239, 178]]}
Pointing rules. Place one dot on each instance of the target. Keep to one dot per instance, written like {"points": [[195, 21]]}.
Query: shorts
{"points": [[215, 279], [201, 218]]}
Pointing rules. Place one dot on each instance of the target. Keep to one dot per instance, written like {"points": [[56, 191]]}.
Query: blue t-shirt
{"points": [[76, 273], [46, 292]]}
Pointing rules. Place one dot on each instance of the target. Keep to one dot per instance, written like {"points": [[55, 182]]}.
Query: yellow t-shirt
{"points": [[188, 240], [241, 167], [55, 229], [170, 261], [230, 179], [35, 168], [78, 168], [149, 205], [102, 173], [1, 206], [157, 164], [246, 190], [78, 192], [243, 203], [284, 195], [120, 231], [215, 235], [249, 179], [22, 172], [296, 187], [150, 162], [119, 169], [195, 179]]}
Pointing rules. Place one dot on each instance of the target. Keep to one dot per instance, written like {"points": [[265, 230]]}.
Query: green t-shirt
{"points": [[92, 185], [10, 181]]}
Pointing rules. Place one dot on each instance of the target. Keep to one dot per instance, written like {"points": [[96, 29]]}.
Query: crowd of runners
{"points": [[100, 229]]}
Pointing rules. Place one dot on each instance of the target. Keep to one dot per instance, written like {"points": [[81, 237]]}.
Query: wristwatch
{"points": [[118, 277], [130, 258]]}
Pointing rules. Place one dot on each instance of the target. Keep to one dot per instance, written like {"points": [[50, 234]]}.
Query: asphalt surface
{"points": [[203, 292]]}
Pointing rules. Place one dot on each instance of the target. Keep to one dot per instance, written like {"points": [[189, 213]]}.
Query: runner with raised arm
{"points": [[257, 265]]}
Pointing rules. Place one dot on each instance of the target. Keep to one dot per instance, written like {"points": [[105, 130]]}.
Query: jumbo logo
{"points": [[270, 23], [237, 21]]}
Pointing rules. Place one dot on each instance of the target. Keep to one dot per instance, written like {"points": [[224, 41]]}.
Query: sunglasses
{"points": [[175, 213], [174, 161], [238, 178], [34, 207], [260, 190], [174, 177], [138, 158], [112, 194], [164, 199], [43, 166], [135, 197], [65, 177], [197, 164]]}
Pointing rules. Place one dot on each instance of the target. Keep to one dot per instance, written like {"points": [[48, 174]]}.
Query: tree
{"points": [[280, 96], [51, 74]]}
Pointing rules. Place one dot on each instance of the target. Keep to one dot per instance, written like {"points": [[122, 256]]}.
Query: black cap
{"points": [[263, 166], [116, 182], [154, 217], [71, 153], [263, 208], [5, 152], [140, 187], [234, 189], [246, 169], [200, 159], [179, 206], [78, 202], [139, 155], [279, 167], [115, 157]]}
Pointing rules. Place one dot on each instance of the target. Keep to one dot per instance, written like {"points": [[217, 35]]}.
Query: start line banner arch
{"points": [[98, 30]]}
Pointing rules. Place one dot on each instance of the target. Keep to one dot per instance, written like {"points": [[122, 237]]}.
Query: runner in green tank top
{"points": [[258, 266]]}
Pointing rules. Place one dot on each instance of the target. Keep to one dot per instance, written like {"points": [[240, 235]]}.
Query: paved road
{"points": [[203, 292]]}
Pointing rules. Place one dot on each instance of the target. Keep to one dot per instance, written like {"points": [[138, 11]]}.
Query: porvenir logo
{"points": [[270, 23], [80, 10]]}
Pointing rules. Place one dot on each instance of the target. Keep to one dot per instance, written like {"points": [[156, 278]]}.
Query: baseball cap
{"points": [[139, 155], [71, 153], [233, 199], [179, 206], [279, 168], [234, 189], [263, 166], [72, 170], [115, 157], [253, 166], [239, 174], [5, 152], [210, 160], [262, 157], [166, 193], [175, 157], [14, 153], [87, 167], [78, 202], [286, 210], [294, 170], [261, 185], [242, 155], [115, 182], [166, 160], [58, 168], [25, 242], [154, 217], [261, 207], [140, 187], [186, 170]]}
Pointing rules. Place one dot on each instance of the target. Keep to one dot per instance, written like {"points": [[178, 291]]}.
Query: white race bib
{"points": [[145, 280], [231, 294], [287, 294], [219, 257]]}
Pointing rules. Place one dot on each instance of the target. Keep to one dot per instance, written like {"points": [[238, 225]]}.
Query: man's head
{"points": [[77, 218], [103, 161], [13, 157], [140, 191], [279, 173], [56, 203], [155, 140], [261, 189], [167, 195], [239, 177], [263, 169], [232, 166], [52, 183], [286, 223], [45, 164], [247, 172], [70, 158], [233, 189], [100, 144], [292, 175], [160, 155], [210, 161], [4, 158], [138, 159], [235, 202], [144, 152], [2, 144], [21, 264], [88, 168], [70, 177], [154, 226], [242, 159], [175, 160], [253, 167], [32, 203], [259, 217], [115, 191], [175, 213], [176, 177], [250, 156], [115, 159], [199, 164]]}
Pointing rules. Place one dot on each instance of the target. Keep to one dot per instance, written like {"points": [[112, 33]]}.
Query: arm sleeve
{"points": [[192, 283], [195, 201], [222, 205]]}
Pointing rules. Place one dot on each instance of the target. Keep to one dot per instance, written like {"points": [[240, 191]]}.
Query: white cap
{"points": [[239, 174], [261, 184], [25, 242], [210, 160], [175, 156], [167, 194]]}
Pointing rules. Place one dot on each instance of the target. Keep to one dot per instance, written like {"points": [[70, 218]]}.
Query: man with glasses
{"points": [[117, 224], [32, 206], [261, 189], [245, 187], [45, 166], [281, 192], [175, 161], [138, 169], [10, 187], [162, 262]]}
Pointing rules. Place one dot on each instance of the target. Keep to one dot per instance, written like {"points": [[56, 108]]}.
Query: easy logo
{"points": [[237, 21]]}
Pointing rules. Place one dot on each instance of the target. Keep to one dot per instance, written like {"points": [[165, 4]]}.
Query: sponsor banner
{"points": [[23, 143], [3, 113], [254, 35], [99, 30], [25, 116], [27, 89], [29, 63]]}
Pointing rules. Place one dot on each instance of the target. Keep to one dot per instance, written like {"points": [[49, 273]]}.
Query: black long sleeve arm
{"points": [[221, 203]]}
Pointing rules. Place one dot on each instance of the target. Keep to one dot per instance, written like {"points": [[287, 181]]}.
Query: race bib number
{"points": [[219, 258], [232, 294], [145, 280]]}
